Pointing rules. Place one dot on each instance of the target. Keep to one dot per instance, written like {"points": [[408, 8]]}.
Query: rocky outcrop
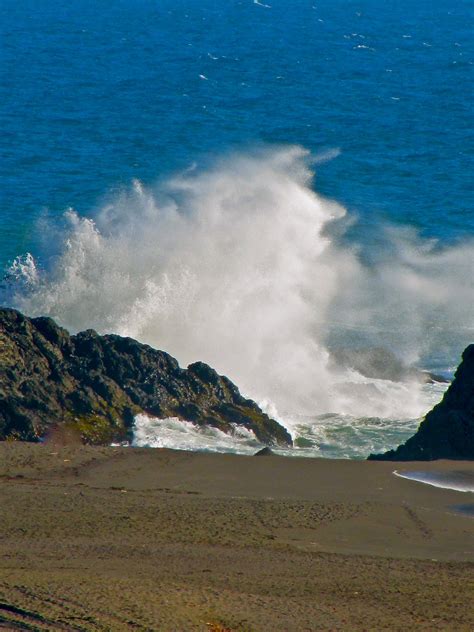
{"points": [[96, 384], [447, 432], [265, 452]]}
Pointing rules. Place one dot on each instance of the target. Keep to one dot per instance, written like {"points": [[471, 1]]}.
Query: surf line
{"points": [[459, 481]]}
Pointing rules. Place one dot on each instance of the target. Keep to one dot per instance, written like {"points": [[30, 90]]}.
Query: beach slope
{"points": [[144, 539]]}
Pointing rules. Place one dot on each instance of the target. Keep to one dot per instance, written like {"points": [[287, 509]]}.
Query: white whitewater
{"points": [[183, 435], [245, 267], [458, 480]]}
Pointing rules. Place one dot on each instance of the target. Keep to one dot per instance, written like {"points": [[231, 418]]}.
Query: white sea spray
{"points": [[244, 266]]}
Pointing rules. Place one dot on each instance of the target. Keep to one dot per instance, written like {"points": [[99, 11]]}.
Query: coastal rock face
{"points": [[94, 385], [447, 432]]}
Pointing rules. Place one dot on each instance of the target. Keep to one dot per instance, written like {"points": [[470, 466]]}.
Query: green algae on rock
{"points": [[95, 385]]}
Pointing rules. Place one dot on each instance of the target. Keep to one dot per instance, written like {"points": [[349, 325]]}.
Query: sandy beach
{"points": [[148, 539]]}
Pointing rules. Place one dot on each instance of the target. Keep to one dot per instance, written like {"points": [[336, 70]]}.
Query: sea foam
{"points": [[458, 480], [183, 435]]}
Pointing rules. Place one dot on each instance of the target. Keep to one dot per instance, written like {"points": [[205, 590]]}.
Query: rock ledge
{"points": [[447, 432], [95, 385]]}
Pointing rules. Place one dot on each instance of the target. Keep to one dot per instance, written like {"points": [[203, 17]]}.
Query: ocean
{"points": [[282, 190]]}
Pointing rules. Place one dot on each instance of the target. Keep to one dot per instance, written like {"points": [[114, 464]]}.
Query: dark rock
{"points": [[265, 452], [447, 432], [96, 385]]}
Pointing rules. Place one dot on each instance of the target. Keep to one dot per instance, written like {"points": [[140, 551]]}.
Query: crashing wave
{"points": [[246, 267]]}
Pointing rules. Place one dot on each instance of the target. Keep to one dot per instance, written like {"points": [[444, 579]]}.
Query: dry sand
{"points": [[141, 539]]}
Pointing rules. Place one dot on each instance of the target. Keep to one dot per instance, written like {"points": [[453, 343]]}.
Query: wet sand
{"points": [[140, 539]]}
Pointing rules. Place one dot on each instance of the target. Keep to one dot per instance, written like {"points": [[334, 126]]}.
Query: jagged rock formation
{"points": [[447, 432], [96, 384]]}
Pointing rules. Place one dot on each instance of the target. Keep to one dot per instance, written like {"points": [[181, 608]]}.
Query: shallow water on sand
{"points": [[458, 480]]}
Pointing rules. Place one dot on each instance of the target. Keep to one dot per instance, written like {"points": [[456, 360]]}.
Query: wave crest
{"points": [[246, 267]]}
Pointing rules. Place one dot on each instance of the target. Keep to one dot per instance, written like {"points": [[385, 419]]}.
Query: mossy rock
{"points": [[94, 385], [96, 430]]}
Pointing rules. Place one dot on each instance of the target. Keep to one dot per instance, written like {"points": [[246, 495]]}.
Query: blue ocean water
{"points": [[102, 104], [94, 94]]}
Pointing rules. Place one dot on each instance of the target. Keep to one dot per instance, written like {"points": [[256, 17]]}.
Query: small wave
{"points": [[177, 434], [335, 436], [458, 480], [363, 46]]}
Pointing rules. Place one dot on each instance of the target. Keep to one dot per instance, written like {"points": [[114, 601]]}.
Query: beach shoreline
{"points": [[154, 539]]}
